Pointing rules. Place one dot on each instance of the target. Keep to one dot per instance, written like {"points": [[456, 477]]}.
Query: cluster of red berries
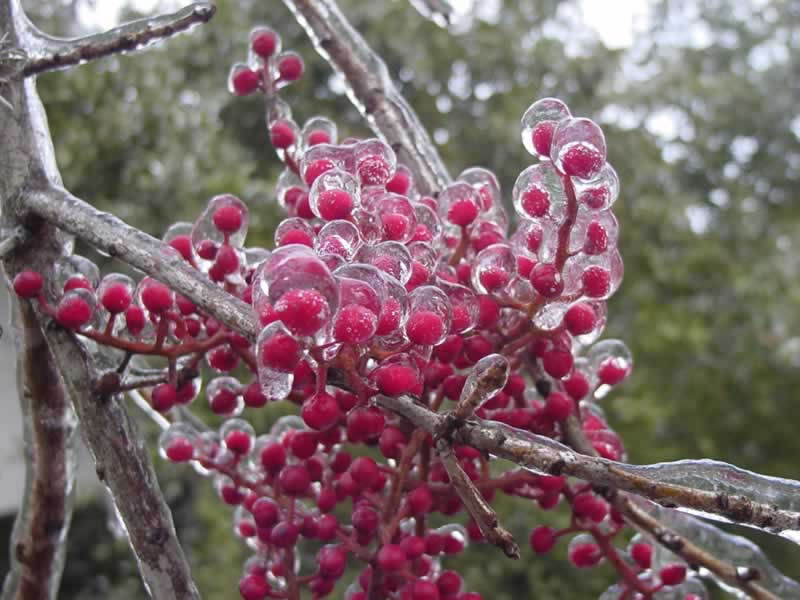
{"points": [[374, 288]]}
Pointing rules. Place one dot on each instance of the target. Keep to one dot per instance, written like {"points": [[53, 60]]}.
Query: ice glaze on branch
{"points": [[59, 53], [136, 248], [372, 91], [548, 456]]}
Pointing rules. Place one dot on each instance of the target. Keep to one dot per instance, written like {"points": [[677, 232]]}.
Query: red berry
{"points": [[296, 236], [589, 506], [373, 170], [77, 282], [291, 67], [596, 239], [535, 201], [304, 312], [281, 134], [576, 385], [365, 519], [365, 423], [424, 590], [413, 546], [265, 512], [425, 327], [273, 457], [238, 442], [559, 406], [400, 183], [546, 280], [462, 212], [280, 352], [449, 583], [494, 278], [585, 555], [253, 397], [542, 539], [391, 557], [332, 561], [156, 297], [643, 554], [395, 380], [28, 284], [334, 204], [303, 444], [264, 44], [419, 501], [183, 244], [246, 81], [557, 362], [318, 136], [163, 397], [284, 535], [542, 137], [294, 480], [223, 402], [134, 319], [672, 574], [355, 324], [180, 449], [321, 411], [254, 587], [582, 161], [228, 218], [73, 312], [392, 442], [580, 319], [314, 170], [613, 370]]}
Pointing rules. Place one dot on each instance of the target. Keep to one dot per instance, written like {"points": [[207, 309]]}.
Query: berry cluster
{"points": [[374, 288]]}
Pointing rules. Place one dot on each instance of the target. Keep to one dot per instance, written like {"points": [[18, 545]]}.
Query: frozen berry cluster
{"points": [[373, 288]]}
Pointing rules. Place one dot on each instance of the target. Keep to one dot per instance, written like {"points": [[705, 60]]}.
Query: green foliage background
{"points": [[708, 216]]}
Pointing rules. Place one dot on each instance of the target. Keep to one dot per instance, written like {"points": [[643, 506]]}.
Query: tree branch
{"points": [[153, 257], [60, 53], [123, 464], [13, 240], [372, 91], [40, 530], [548, 456]]}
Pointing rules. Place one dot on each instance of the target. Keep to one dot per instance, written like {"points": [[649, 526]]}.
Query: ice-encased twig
{"points": [[762, 509], [747, 559], [371, 89], [51, 53], [38, 540], [438, 11]]}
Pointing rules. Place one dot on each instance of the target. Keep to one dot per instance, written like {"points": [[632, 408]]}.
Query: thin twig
{"points": [[480, 510], [129, 37], [372, 91]]}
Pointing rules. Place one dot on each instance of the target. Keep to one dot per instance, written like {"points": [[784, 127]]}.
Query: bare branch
{"points": [[371, 90], [123, 464], [480, 510], [40, 530], [132, 36], [486, 378], [548, 456], [11, 240], [120, 240]]}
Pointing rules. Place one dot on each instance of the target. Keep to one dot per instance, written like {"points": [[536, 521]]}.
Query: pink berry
{"points": [[134, 319], [424, 590], [413, 546], [180, 449], [303, 311], [425, 327], [253, 397], [589, 506], [585, 555], [321, 411], [557, 362], [494, 278], [265, 512], [296, 236], [672, 574], [314, 170], [332, 561], [254, 587], [273, 457], [294, 480], [223, 402], [449, 583], [462, 212], [613, 370], [28, 284], [291, 67], [643, 554], [395, 226], [246, 81], [546, 280], [542, 137], [580, 319], [238, 442], [373, 171], [559, 406], [156, 297], [77, 282], [576, 385], [391, 557], [396, 380], [73, 312], [281, 134], [535, 201], [542, 539], [596, 282], [303, 444], [281, 352], [355, 324], [319, 136], [364, 472], [419, 501], [264, 44], [400, 183], [284, 535], [365, 519], [596, 239], [582, 161], [334, 204], [390, 317], [228, 218], [183, 244], [163, 397]]}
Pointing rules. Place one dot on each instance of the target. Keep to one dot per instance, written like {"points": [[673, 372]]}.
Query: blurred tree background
{"points": [[701, 115]]}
